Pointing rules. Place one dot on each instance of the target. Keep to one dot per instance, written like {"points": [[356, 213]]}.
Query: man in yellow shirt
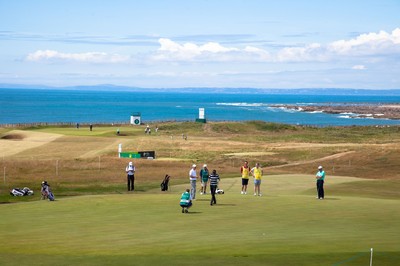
{"points": [[257, 173], [245, 171]]}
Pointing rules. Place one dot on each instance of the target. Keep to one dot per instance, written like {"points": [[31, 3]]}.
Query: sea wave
{"points": [[243, 104], [288, 110], [316, 112]]}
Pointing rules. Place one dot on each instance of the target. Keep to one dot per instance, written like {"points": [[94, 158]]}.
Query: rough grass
{"points": [[89, 158]]}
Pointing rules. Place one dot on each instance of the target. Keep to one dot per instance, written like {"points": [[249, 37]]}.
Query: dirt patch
{"points": [[241, 154], [13, 137]]}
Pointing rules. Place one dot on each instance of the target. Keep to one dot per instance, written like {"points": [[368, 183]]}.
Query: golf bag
{"points": [[219, 191], [51, 196], [17, 192], [164, 184]]}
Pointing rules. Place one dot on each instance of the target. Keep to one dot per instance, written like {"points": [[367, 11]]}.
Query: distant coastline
{"points": [[241, 90], [387, 111]]}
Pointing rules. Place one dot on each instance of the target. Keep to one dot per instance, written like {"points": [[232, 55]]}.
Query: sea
{"points": [[90, 106]]}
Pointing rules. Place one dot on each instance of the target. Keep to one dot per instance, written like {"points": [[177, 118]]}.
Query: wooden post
{"points": [[57, 168]]}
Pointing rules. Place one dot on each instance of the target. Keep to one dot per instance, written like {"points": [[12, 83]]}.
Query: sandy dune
{"points": [[17, 141]]}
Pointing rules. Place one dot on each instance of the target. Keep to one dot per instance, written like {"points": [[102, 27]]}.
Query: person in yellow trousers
{"points": [[257, 173], [245, 171]]}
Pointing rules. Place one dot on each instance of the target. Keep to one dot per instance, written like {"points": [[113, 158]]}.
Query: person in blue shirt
{"points": [[320, 176]]}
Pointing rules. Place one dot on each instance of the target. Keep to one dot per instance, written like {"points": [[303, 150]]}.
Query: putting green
{"points": [[287, 225]]}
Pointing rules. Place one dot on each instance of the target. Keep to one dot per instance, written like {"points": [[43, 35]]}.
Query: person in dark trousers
{"points": [[130, 171], [320, 176], [214, 179]]}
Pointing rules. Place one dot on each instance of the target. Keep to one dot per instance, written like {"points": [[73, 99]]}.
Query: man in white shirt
{"points": [[193, 179], [130, 171]]}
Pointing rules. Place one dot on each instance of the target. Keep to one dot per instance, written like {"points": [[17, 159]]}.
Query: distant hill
{"points": [[294, 91]]}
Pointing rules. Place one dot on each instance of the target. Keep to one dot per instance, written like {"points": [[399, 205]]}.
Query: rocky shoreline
{"points": [[388, 111]]}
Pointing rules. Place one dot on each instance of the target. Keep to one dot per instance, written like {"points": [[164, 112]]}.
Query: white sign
{"points": [[201, 113], [135, 120]]}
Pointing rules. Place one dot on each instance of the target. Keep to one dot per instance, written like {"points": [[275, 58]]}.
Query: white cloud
{"points": [[312, 52], [359, 67], [375, 46], [368, 44], [211, 51], [90, 57]]}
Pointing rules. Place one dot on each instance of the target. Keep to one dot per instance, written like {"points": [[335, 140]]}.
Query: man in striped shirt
{"points": [[214, 179]]}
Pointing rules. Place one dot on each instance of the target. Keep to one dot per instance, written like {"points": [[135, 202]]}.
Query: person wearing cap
{"points": [[130, 171], [185, 202], [193, 179], [320, 176], [257, 173], [204, 179], [214, 179], [45, 190], [245, 171]]}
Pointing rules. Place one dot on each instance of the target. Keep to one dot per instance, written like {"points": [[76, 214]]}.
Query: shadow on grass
{"points": [[331, 198], [224, 204]]}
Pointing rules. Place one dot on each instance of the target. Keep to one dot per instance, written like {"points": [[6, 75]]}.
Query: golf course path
{"points": [[330, 157]]}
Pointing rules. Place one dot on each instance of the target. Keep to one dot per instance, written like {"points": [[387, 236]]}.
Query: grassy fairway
{"points": [[286, 226]]}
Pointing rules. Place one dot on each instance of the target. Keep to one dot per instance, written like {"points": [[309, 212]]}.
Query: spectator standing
{"points": [[320, 176], [257, 173], [204, 179], [245, 171], [193, 180]]}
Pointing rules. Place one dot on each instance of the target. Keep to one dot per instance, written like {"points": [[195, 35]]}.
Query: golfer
{"points": [[214, 179], [130, 171], [257, 173], [320, 176], [193, 179]]}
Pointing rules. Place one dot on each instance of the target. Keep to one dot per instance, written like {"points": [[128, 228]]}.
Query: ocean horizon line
{"points": [[213, 90]]}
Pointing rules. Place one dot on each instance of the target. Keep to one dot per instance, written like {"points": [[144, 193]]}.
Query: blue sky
{"points": [[201, 43]]}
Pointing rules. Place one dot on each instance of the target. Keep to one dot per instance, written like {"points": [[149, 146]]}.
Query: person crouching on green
{"points": [[186, 202]]}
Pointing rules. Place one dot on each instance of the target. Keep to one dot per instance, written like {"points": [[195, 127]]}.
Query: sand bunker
{"points": [[17, 141]]}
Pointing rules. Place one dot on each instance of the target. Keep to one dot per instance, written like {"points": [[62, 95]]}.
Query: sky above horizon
{"points": [[201, 43]]}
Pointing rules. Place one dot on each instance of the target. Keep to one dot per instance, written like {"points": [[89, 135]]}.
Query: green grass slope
{"points": [[286, 226]]}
